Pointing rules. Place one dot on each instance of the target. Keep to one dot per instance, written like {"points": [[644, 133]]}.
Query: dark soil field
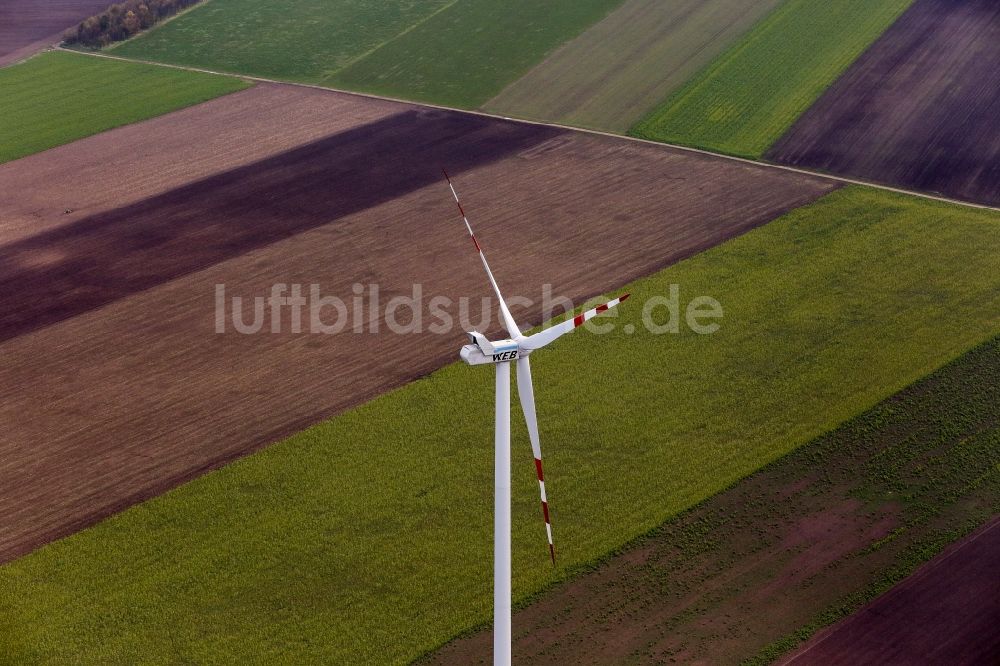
{"points": [[31, 25], [918, 110], [948, 612], [756, 569], [115, 385]]}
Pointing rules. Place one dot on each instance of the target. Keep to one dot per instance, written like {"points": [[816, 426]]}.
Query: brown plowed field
{"points": [[98, 174], [115, 386], [77, 267], [948, 612], [31, 25], [919, 109]]}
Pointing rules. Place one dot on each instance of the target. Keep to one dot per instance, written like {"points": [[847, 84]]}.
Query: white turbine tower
{"points": [[500, 353]]}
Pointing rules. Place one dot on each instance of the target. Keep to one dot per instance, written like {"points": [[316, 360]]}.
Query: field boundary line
{"points": [[921, 572], [688, 149]]}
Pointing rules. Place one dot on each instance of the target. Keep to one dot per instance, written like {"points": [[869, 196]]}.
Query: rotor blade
{"points": [[542, 338], [508, 320], [526, 393]]}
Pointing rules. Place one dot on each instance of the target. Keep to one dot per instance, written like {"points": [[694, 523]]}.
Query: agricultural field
{"points": [[469, 52], [55, 98], [197, 466], [918, 110], [945, 613], [28, 26], [228, 198], [367, 536], [827, 527], [458, 52], [617, 71], [750, 95], [296, 40]]}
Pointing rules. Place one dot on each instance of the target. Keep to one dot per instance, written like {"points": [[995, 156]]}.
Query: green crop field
{"points": [[617, 71], [298, 40], [469, 52], [748, 97], [369, 537], [55, 98], [455, 52]]}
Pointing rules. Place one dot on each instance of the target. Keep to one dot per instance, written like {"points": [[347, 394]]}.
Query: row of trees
{"points": [[122, 20]]}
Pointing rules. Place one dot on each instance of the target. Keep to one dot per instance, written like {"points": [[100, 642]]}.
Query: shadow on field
{"points": [[110, 255]]}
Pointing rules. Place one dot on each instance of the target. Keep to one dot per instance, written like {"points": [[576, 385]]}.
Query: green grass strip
{"points": [[744, 101], [56, 98], [368, 538]]}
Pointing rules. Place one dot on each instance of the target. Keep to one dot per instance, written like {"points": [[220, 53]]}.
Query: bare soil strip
{"points": [[129, 391], [27, 26], [803, 542], [948, 612], [40, 194], [918, 110]]}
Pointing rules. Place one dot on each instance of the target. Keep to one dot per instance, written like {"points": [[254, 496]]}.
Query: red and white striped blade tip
{"points": [[603, 307]]}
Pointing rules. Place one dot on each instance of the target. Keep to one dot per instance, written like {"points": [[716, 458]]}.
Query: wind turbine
{"points": [[501, 353]]}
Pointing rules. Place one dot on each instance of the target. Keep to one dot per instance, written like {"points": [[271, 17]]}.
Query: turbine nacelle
{"points": [[482, 350]]}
